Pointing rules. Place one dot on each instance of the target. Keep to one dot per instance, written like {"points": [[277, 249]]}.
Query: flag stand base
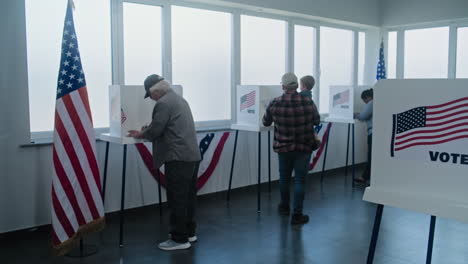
{"points": [[84, 250]]}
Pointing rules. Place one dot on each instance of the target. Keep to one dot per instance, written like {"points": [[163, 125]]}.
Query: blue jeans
{"points": [[299, 161]]}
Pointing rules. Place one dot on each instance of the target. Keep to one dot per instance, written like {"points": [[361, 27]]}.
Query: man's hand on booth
{"points": [[135, 134]]}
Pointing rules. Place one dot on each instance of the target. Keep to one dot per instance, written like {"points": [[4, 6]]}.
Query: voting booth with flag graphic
{"points": [[251, 103], [420, 146]]}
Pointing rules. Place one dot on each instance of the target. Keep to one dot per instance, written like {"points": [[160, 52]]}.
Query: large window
{"points": [[391, 55], [44, 26], [426, 53], [462, 53], [142, 42], [304, 51], [361, 57], [263, 50], [336, 61], [201, 54]]}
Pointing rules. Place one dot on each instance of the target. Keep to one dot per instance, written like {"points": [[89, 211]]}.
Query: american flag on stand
{"points": [[381, 74], [77, 204], [430, 126], [341, 98], [247, 100]]}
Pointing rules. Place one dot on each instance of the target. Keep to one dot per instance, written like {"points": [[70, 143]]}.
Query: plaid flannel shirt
{"points": [[295, 117]]}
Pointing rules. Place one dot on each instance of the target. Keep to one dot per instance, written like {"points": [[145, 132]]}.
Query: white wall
{"points": [[404, 12], [25, 172]]}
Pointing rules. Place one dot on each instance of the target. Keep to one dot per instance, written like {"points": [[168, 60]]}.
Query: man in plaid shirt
{"points": [[295, 117]]}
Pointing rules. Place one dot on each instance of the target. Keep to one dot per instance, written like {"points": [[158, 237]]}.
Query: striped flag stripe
{"points": [[83, 91], [448, 103], [446, 122], [432, 137], [85, 142], [443, 111], [55, 239], [85, 119], [431, 130], [431, 142], [64, 203], [67, 165], [72, 155], [57, 226], [61, 216], [62, 180], [79, 150], [446, 116]]}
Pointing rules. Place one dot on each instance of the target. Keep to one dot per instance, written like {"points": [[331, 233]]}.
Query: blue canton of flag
{"points": [[205, 143], [71, 76], [381, 74]]}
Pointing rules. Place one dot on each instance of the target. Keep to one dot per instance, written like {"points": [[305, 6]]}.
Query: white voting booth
{"points": [[129, 110], [420, 150], [423, 169], [251, 103]]}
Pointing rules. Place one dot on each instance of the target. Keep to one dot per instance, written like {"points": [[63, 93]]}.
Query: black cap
{"points": [[150, 81]]}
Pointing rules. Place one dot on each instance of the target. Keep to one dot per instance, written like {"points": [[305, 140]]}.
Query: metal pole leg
{"points": [[347, 152], [122, 199], [232, 166], [105, 173], [430, 243], [353, 155], [325, 154], [375, 234], [259, 169], [158, 173], [269, 162]]}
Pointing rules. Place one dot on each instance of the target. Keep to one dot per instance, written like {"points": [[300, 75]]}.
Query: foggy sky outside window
{"points": [[361, 57], [336, 61], [44, 28], [462, 53], [263, 50], [201, 54], [304, 51], [142, 42], [426, 53], [391, 55]]}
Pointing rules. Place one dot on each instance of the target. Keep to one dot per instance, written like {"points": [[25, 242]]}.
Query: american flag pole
{"points": [[381, 73], [77, 206]]}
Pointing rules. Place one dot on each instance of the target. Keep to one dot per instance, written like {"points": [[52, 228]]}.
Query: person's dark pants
{"points": [[366, 174], [299, 162], [181, 178]]}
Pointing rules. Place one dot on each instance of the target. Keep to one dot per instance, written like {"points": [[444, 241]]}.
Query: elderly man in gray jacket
{"points": [[172, 132]]}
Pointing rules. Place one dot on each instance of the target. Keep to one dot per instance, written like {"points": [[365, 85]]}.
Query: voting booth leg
{"points": [[83, 251], [232, 165], [347, 152], [122, 196], [158, 173], [269, 162], [105, 173], [430, 243], [325, 154], [259, 169], [353, 160], [375, 234]]}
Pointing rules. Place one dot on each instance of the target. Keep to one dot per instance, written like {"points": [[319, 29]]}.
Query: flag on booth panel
{"points": [[77, 204]]}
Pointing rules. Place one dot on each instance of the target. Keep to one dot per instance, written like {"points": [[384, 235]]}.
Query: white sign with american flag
{"points": [[341, 102], [420, 146], [432, 133], [77, 206]]}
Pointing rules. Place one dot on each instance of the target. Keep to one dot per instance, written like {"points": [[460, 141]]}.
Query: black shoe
{"points": [[283, 209], [299, 219]]}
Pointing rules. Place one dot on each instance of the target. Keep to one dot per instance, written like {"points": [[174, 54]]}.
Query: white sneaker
{"points": [[191, 239], [172, 245]]}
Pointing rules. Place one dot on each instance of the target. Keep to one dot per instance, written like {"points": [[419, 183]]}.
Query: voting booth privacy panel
{"points": [[129, 110], [251, 103], [420, 146]]}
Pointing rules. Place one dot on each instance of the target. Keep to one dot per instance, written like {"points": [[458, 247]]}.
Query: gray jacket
{"points": [[172, 131], [366, 115]]}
